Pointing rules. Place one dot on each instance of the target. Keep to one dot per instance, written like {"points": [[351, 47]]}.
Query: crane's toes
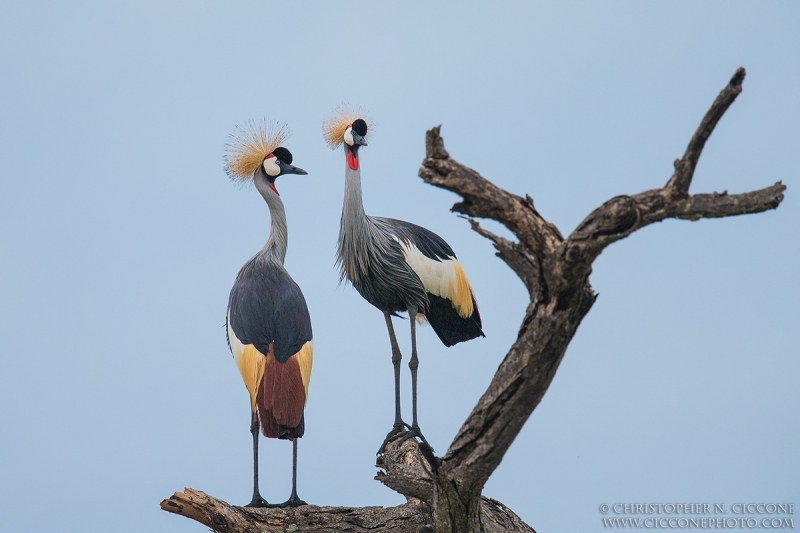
{"points": [[415, 432], [397, 431], [258, 501], [294, 501]]}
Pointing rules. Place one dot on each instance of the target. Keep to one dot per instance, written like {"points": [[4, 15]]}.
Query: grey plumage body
{"points": [[266, 307]]}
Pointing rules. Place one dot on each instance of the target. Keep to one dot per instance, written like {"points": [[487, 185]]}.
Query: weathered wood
{"points": [[684, 167], [406, 470], [222, 517], [413, 516]]}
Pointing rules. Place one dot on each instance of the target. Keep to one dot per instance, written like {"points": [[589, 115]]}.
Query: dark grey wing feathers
{"points": [[431, 245], [267, 306]]}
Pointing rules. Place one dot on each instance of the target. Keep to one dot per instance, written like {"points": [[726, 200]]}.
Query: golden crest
{"points": [[343, 116], [249, 145]]}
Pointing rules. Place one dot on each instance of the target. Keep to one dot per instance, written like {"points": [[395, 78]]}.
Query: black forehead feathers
{"points": [[360, 127], [283, 154]]}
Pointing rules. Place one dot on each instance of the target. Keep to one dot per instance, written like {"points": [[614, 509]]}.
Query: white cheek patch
{"points": [[270, 167], [348, 136]]}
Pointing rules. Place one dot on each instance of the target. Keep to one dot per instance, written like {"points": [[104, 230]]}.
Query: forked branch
{"points": [[556, 271], [684, 167], [623, 215]]}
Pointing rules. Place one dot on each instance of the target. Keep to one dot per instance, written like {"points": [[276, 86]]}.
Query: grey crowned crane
{"points": [[398, 266], [268, 325]]}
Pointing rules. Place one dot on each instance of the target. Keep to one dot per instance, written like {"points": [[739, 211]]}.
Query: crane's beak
{"points": [[289, 169], [358, 140]]}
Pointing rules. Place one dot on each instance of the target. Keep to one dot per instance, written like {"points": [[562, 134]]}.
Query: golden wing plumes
{"points": [[335, 125], [249, 145]]}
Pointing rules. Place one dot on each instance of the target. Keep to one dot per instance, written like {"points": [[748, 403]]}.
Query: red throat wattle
{"points": [[272, 186], [352, 160]]}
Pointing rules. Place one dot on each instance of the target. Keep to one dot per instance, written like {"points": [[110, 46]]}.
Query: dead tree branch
{"points": [[225, 518], [556, 273], [413, 516], [684, 167], [621, 216]]}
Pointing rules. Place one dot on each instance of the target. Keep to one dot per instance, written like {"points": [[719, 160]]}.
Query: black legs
{"points": [[293, 500], [400, 426], [396, 358], [257, 500], [413, 364]]}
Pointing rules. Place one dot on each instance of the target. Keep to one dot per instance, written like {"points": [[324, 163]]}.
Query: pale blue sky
{"points": [[120, 237]]}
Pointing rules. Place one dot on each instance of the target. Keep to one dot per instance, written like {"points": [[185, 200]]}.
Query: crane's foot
{"points": [[258, 501], [293, 501], [415, 432], [398, 430]]}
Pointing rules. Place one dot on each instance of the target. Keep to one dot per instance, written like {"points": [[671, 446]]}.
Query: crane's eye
{"points": [[278, 162]]}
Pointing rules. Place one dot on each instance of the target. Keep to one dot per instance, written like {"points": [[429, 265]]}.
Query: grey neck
{"points": [[353, 207], [356, 233], [278, 240]]}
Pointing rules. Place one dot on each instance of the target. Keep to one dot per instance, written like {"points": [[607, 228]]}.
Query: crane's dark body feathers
{"points": [[431, 245], [450, 327], [267, 307]]}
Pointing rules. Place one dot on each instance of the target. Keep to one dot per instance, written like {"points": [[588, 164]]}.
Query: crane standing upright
{"points": [[399, 266], [268, 325]]}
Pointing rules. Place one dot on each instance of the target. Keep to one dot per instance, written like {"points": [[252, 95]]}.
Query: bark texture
{"points": [[445, 494], [225, 518], [412, 517]]}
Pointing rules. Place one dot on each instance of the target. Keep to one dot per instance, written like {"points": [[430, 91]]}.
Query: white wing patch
{"points": [[438, 277], [237, 348], [444, 278]]}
